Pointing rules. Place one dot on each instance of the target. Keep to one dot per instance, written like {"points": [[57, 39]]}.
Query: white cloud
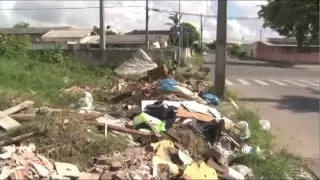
{"points": [[250, 8], [127, 19]]}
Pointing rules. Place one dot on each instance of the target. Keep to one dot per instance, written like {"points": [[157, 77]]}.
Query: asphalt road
{"points": [[287, 97]]}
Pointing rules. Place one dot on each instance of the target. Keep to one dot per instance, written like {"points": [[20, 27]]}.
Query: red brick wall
{"points": [[290, 54]]}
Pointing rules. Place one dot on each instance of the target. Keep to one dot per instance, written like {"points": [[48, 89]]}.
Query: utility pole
{"points": [[102, 33], [147, 24], [180, 34], [201, 30], [260, 34], [220, 66], [182, 50]]}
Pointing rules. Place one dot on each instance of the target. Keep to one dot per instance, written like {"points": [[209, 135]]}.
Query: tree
{"points": [[298, 19], [190, 34], [174, 18], [21, 25], [108, 31], [212, 45], [235, 49]]}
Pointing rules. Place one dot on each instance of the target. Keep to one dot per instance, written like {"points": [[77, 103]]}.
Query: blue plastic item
{"points": [[168, 84], [211, 98]]}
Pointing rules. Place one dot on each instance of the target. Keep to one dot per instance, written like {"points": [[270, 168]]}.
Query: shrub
{"points": [[14, 46], [242, 54], [235, 49], [165, 60], [53, 56]]}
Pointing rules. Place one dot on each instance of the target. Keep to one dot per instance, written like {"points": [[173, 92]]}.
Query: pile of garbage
{"points": [[168, 129]]}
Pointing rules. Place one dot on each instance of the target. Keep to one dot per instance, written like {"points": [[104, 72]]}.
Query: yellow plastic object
{"points": [[200, 170], [161, 149]]}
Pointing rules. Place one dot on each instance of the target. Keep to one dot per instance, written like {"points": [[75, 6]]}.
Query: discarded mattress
{"points": [[139, 63]]}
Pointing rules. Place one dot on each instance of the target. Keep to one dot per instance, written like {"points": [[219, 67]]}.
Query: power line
{"points": [[129, 11], [65, 8], [209, 16]]}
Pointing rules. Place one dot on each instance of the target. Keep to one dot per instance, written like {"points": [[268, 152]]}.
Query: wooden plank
{"points": [[120, 129], [7, 122], [23, 117], [16, 108]]}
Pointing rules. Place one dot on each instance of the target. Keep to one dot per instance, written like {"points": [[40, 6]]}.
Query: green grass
{"points": [[24, 76], [270, 165], [196, 60], [278, 165], [259, 137]]}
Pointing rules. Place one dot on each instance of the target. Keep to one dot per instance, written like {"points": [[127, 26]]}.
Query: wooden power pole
{"points": [[221, 39], [147, 24], [201, 30], [102, 33], [180, 34]]}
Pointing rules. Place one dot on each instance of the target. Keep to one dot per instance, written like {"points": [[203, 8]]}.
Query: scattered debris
{"points": [[67, 170], [139, 63], [158, 73], [152, 128]]}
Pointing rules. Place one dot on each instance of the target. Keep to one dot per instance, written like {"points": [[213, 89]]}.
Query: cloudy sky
{"points": [[125, 19]]}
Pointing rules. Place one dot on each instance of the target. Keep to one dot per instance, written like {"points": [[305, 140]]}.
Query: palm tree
{"points": [[175, 18]]}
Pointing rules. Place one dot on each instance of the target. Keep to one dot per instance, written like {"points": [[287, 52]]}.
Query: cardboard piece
{"points": [[158, 73], [183, 112]]}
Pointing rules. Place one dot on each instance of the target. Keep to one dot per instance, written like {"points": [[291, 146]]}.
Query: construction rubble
{"points": [[153, 128]]}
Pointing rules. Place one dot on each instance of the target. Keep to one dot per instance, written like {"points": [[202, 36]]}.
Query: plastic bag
{"points": [[85, 102], [265, 124], [242, 169], [168, 84], [211, 98], [144, 117], [242, 129]]}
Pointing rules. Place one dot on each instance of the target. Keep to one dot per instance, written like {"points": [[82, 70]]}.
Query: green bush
{"points": [[13, 46], [235, 49], [242, 55], [53, 56], [165, 60]]}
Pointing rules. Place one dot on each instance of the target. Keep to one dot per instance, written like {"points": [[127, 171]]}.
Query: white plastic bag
{"points": [[86, 102], [242, 169], [265, 124], [242, 129]]}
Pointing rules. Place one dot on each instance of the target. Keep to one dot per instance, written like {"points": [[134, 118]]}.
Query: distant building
{"points": [[127, 41], [141, 32], [35, 33], [69, 38], [284, 49], [72, 35]]}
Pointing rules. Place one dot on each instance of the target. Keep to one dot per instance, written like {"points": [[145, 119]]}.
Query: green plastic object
{"points": [[159, 125], [256, 150]]}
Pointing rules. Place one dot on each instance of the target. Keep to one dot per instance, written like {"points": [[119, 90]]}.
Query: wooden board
{"points": [[7, 122]]}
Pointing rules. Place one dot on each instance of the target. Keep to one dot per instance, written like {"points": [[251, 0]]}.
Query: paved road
{"points": [[288, 98]]}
